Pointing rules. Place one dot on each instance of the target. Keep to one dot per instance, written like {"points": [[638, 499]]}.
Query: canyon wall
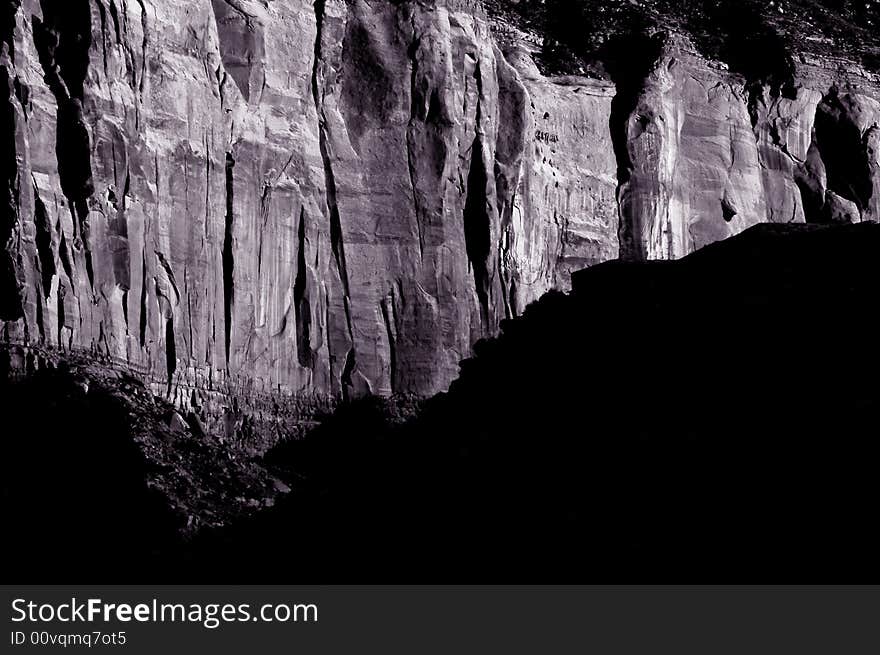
{"points": [[241, 198]]}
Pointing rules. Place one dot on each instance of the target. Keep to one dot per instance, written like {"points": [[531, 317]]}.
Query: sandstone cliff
{"points": [[340, 198]]}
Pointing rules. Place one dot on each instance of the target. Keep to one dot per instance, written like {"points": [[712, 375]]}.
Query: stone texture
{"points": [[694, 173], [244, 198], [565, 217]]}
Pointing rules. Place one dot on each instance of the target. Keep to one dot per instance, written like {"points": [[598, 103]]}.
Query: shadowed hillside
{"points": [[707, 419], [101, 479]]}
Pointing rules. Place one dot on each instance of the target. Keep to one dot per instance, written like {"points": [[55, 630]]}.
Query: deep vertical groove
{"points": [[62, 314], [170, 351], [348, 373], [43, 238], [477, 223], [336, 242], [388, 317], [143, 320], [302, 308], [476, 226], [336, 235], [228, 257]]}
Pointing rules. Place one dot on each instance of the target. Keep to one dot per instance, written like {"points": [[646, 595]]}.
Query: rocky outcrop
{"points": [[243, 198], [708, 153]]}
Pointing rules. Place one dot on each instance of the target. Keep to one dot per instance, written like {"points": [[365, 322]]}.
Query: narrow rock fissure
{"points": [[170, 352], [144, 304], [477, 226], [388, 318], [477, 222], [43, 238], [337, 245], [228, 256], [62, 314], [301, 306], [348, 373]]}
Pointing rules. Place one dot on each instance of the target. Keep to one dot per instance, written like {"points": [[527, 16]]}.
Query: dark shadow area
{"points": [[712, 419], [706, 420], [76, 505], [844, 153], [104, 482]]}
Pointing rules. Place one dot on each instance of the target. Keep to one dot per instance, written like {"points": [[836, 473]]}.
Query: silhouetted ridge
{"points": [[691, 420]]}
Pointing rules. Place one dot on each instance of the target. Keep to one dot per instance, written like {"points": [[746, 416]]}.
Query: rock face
{"points": [[339, 198]]}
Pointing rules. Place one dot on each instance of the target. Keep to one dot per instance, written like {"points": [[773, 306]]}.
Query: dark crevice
{"points": [[65, 257], [144, 304], [228, 257], [477, 222], [348, 373], [169, 272], [62, 314], [336, 235], [417, 203], [810, 178], [63, 39], [514, 305], [145, 30], [477, 226], [388, 316], [504, 272], [40, 316], [170, 351], [43, 238], [301, 305], [114, 14], [23, 93], [728, 211], [73, 150], [265, 208], [79, 212]]}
